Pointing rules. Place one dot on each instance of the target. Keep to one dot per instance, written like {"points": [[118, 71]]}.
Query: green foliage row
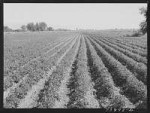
{"points": [[127, 46], [132, 65], [136, 57], [104, 82], [36, 72], [130, 86]]}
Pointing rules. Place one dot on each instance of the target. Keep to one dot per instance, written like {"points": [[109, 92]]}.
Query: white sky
{"points": [[75, 15]]}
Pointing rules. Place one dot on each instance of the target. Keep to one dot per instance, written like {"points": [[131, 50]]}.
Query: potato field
{"points": [[74, 69]]}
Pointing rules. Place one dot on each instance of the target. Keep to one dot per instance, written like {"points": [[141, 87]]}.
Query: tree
{"points": [[50, 29], [42, 26], [23, 27], [143, 25], [37, 27], [143, 11], [31, 27]]}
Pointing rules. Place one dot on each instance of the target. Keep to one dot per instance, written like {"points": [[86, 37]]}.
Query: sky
{"points": [[75, 15]]}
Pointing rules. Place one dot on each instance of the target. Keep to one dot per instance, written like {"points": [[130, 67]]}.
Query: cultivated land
{"points": [[75, 69]]}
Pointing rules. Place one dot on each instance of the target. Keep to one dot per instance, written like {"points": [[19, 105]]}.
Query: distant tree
{"points": [[37, 27], [7, 29], [42, 26], [23, 28], [50, 29], [18, 30], [31, 27], [143, 11], [143, 25]]}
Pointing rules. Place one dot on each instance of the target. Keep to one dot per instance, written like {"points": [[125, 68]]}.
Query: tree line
{"points": [[42, 26], [143, 25], [38, 26]]}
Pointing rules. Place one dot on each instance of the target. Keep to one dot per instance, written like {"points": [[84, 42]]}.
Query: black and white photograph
{"points": [[75, 55]]}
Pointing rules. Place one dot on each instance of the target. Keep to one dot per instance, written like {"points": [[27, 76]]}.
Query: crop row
{"points": [[121, 44], [15, 45], [136, 57], [135, 50], [139, 69], [107, 93], [135, 42], [129, 85], [33, 59], [18, 74], [33, 98], [37, 72], [25, 57], [81, 87], [54, 94]]}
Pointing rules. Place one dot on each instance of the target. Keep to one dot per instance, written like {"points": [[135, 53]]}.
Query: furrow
{"points": [[139, 69], [106, 91], [130, 86], [53, 83], [66, 65], [127, 47], [11, 80], [136, 57], [44, 50], [26, 74], [41, 66], [30, 100], [80, 85], [127, 44]]}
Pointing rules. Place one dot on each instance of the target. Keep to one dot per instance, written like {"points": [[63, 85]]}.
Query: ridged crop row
{"points": [[37, 72], [21, 45], [139, 69], [107, 93], [130, 42], [135, 50], [15, 56], [18, 74], [124, 45], [134, 42], [54, 94], [81, 86], [80, 70], [10, 67], [136, 57], [130, 86]]}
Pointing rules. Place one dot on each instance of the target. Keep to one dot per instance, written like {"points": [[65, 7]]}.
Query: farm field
{"points": [[74, 69]]}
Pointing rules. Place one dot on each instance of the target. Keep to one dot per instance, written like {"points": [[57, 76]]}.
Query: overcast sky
{"points": [[75, 15]]}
